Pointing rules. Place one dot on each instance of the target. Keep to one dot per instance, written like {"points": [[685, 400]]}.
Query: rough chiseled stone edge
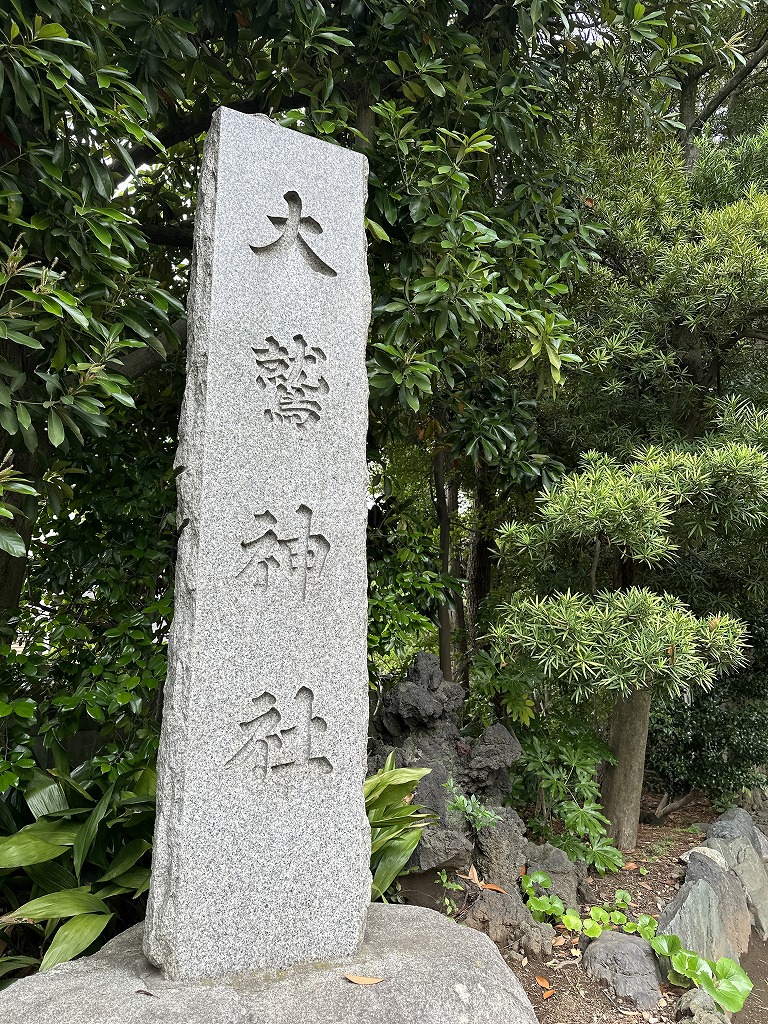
{"points": [[161, 909]]}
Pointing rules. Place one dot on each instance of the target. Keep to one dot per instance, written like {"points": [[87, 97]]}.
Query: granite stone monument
{"points": [[258, 909], [262, 844]]}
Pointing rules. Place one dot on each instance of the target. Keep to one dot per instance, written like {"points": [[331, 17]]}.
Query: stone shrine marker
{"points": [[262, 843]]}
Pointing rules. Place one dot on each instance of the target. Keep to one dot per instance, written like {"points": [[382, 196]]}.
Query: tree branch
{"points": [[175, 236], [730, 86], [136, 362]]}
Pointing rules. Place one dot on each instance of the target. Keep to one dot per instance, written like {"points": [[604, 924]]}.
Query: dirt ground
{"points": [[653, 874]]}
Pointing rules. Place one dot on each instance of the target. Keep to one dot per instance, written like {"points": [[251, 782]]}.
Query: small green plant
{"points": [[396, 822], [539, 904], [477, 814], [726, 982], [559, 775], [449, 905], [74, 863]]}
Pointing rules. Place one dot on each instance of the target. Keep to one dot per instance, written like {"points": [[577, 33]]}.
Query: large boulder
{"points": [[734, 912], [695, 916], [626, 966], [737, 823], [420, 701], [747, 864], [507, 921], [433, 971]]}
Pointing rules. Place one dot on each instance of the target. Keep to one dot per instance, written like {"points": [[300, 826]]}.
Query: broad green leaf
{"points": [[393, 859], [15, 963], [11, 543], [55, 428], [73, 937], [67, 903], [88, 830], [126, 859], [19, 850]]}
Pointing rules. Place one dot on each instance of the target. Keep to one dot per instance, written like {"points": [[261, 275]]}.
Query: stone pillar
{"points": [[262, 844]]}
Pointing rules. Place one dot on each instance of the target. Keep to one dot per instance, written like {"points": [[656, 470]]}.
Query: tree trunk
{"points": [[479, 562], [444, 521], [623, 782], [689, 88], [457, 571]]}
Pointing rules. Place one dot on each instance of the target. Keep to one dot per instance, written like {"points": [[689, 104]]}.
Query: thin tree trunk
{"points": [[460, 621], [444, 521], [689, 88], [623, 782], [479, 562]]}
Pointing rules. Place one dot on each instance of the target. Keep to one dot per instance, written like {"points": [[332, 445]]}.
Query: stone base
{"points": [[434, 971]]}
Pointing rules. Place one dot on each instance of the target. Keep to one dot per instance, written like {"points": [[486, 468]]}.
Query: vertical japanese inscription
{"points": [[291, 374], [299, 556], [282, 744]]}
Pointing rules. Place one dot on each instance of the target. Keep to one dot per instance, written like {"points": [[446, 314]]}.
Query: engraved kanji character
{"points": [[291, 234], [280, 743], [301, 556], [295, 378]]}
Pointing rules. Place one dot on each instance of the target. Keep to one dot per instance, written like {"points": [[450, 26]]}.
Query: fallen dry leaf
{"points": [[542, 981], [493, 888], [472, 876], [357, 979], [630, 867], [546, 995], [575, 952], [522, 870], [559, 941]]}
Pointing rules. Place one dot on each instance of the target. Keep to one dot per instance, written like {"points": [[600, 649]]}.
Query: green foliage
{"points": [[74, 863], [723, 980], [477, 815], [557, 774], [716, 742], [396, 823], [620, 642]]}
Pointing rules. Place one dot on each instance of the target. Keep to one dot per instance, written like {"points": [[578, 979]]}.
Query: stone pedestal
{"points": [[433, 971]]}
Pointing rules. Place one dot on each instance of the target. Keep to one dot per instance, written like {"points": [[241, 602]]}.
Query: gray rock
{"points": [[566, 876], [440, 849], [697, 1004], [261, 855], [734, 913], [705, 851], [695, 916], [417, 718], [742, 859], [736, 823], [507, 921], [419, 701], [500, 852], [763, 841], [434, 972], [625, 964], [443, 849]]}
